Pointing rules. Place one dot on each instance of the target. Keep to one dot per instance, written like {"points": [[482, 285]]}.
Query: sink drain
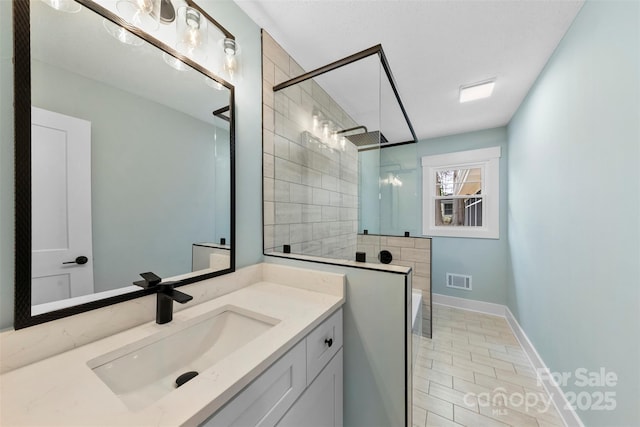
{"points": [[185, 377]]}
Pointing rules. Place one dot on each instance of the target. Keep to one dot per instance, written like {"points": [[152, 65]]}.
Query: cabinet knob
{"points": [[329, 342]]}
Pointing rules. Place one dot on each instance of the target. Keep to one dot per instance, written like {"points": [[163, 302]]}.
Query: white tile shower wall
{"points": [[414, 252], [310, 192]]}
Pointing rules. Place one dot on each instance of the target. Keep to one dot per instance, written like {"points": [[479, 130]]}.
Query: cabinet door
{"points": [[323, 343], [264, 401], [321, 404]]}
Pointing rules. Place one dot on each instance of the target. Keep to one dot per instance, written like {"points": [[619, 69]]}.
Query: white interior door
{"points": [[60, 207]]}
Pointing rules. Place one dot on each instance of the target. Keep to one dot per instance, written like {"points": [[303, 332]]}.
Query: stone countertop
{"points": [[63, 389]]}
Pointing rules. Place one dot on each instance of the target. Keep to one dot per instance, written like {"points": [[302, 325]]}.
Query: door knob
{"points": [[79, 260]]}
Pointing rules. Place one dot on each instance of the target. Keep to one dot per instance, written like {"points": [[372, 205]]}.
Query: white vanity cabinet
{"points": [[302, 388], [321, 403]]}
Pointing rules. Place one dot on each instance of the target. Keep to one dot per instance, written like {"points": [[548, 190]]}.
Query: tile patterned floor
{"points": [[473, 372]]}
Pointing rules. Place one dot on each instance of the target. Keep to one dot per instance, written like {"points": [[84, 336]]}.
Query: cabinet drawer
{"points": [[322, 343], [267, 399]]}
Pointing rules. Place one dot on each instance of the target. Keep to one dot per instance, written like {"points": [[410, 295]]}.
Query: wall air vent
{"points": [[458, 281]]}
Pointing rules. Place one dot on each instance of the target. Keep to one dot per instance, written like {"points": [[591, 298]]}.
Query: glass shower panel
{"points": [[399, 192], [318, 129], [398, 169]]}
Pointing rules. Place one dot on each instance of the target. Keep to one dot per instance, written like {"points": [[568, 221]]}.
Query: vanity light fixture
{"points": [[191, 32], [173, 62], [325, 133], [392, 180], [68, 6], [191, 27], [144, 14], [212, 83], [230, 66], [229, 46], [477, 91], [121, 34]]}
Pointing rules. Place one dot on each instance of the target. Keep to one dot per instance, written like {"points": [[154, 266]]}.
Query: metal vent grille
{"points": [[458, 281]]}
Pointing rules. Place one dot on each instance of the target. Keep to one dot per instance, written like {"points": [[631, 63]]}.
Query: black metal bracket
{"points": [[374, 50]]}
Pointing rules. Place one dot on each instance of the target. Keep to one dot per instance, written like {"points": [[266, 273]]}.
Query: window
{"points": [[461, 194]]}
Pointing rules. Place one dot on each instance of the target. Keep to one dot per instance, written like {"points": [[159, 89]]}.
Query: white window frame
{"points": [[488, 159]]}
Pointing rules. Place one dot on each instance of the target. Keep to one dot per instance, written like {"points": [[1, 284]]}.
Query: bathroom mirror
{"points": [[124, 162]]}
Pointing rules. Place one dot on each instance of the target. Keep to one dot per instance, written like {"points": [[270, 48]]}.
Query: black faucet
{"points": [[166, 295]]}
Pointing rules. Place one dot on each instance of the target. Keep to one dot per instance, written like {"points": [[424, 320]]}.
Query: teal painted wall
{"points": [[484, 259], [574, 196], [374, 368], [248, 144], [248, 241]]}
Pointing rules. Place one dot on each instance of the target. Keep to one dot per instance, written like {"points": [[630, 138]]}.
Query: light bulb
{"points": [[141, 13], [191, 31], [145, 6], [325, 132], [231, 66], [68, 6]]}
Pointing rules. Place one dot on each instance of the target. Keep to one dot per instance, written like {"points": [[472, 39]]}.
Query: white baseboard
{"points": [[563, 407], [566, 412], [469, 304]]}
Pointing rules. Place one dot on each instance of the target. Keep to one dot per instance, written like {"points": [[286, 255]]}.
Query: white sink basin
{"points": [[145, 371]]}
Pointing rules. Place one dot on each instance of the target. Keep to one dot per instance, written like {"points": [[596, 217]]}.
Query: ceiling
{"points": [[433, 48]]}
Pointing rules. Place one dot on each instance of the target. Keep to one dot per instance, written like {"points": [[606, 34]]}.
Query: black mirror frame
{"points": [[22, 142]]}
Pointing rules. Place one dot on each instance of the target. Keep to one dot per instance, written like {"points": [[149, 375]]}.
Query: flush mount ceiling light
{"points": [[477, 91]]}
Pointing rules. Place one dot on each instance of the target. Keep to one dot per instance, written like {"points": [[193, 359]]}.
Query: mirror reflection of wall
{"points": [[159, 172]]}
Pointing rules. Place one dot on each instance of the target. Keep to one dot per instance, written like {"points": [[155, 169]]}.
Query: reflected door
{"points": [[62, 261]]}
